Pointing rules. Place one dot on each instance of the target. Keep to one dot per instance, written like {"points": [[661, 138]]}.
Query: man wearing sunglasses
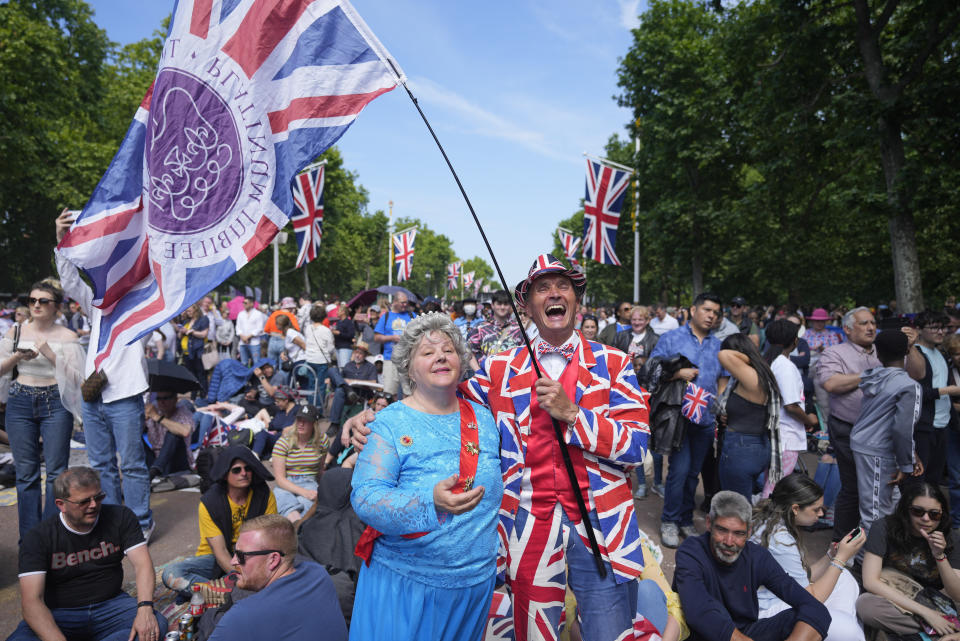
{"points": [[71, 569], [608, 335], [240, 493], [291, 596]]}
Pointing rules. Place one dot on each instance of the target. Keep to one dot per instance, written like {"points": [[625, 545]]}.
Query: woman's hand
{"points": [[936, 541], [936, 621], [43, 347], [310, 495], [847, 548], [446, 501]]}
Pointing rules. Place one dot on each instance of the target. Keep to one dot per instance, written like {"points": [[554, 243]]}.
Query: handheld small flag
{"points": [[695, 401], [453, 275]]}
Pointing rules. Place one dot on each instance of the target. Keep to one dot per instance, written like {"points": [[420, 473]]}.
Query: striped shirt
{"points": [[300, 460]]}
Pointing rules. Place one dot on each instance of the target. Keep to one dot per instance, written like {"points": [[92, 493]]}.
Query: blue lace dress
{"points": [[437, 586]]}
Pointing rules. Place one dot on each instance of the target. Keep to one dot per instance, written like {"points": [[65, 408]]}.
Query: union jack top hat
{"points": [[549, 264]]}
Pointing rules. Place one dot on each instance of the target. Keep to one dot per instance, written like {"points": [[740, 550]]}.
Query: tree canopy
{"points": [[789, 149]]}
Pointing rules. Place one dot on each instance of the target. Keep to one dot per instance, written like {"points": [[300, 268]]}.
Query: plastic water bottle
{"points": [[196, 602]]}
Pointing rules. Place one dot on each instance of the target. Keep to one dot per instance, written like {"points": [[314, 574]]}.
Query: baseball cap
{"points": [[308, 412]]}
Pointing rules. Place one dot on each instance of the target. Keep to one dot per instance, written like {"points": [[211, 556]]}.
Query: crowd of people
{"points": [[425, 437]]}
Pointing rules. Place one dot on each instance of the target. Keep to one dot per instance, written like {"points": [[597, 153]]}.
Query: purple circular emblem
{"points": [[193, 155]]}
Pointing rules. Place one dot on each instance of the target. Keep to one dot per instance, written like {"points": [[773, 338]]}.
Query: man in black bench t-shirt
{"points": [[71, 569]]}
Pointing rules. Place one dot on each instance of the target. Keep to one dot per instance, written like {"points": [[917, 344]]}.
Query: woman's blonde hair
{"points": [[318, 440]]}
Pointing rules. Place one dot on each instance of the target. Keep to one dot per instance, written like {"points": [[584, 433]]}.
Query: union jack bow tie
{"points": [[545, 348]]}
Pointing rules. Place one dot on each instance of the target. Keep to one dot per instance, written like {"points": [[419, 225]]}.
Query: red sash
{"points": [[469, 456]]}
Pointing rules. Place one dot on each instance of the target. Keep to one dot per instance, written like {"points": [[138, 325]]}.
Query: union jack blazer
{"points": [[612, 429]]}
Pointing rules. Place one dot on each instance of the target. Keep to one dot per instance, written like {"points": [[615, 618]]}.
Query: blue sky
{"points": [[516, 92]]}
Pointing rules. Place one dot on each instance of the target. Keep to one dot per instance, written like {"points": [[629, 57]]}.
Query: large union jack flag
{"points": [[403, 253], [606, 187], [570, 244], [248, 93], [695, 401], [308, 219], [453, 275]]}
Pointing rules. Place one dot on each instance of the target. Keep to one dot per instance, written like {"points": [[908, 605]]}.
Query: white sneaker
{"points": [[669, 535], [148, 532]]}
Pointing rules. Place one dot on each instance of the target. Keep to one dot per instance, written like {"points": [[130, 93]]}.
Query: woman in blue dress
{"points": [[428, 481]]}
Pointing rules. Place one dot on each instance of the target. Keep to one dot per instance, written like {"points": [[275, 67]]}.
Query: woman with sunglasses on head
{"points": [[239, 494], [429, 481], [47, 360], [750, 407], [917, 553], [796, 502]]}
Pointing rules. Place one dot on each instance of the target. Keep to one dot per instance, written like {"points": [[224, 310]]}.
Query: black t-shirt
{"points": [[919, 563], [81, 569]]}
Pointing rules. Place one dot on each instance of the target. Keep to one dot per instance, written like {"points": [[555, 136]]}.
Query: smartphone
{"points": [[857, 531]]}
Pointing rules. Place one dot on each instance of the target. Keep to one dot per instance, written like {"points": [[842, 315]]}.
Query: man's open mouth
{"points": [[555, 311]]}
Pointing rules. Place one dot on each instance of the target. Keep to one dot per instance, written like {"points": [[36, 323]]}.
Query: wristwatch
{"points": [[145, 603]]}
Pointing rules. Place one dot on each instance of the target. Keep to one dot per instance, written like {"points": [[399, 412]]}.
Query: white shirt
{"points": [[793, 435], [294, 351], [319, 341], [661, 327], [251, 323], [126, 369], [553, 363]]}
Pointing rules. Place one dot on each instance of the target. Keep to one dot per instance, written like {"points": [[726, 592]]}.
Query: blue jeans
{"points": [[743, 460], [606, 607], [288, 501], [263, 442], [172, 457], [195, 569], [953, 474], [274, 348], [112, 428], [109, 620], [657, 468], [248, 353], [684, 469], [34, 413]]}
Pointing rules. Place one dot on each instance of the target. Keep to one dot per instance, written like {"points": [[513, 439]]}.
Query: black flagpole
{"points": [[567, 463]]}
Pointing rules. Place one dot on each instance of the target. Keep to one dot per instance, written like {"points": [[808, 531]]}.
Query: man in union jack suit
{"points": [[591, 389]]}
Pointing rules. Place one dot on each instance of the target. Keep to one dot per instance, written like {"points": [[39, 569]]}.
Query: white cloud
{"points": [[629, 13], [478, 121]]}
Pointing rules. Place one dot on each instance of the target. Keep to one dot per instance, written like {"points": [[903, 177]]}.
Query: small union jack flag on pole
{"points": [[308, 219], [606, 187], [468, 279], [695, 401], [453, 275], [403, 252], [570, 244]]}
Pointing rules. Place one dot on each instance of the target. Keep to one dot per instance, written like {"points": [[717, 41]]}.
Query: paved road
{"points": [[177, 534]]}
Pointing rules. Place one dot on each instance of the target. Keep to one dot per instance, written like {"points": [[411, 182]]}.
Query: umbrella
{"points": [[170, 377], [235, 305], [365, 297], [396, 289]]}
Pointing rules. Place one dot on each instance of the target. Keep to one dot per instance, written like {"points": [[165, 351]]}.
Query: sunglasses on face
{"points": [[165, 398], [239, 469], [39, 301], [917, 511], [85, 502], [242, 555]]}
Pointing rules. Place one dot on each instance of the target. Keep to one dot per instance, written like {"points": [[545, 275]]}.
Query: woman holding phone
{"points": [[797, 501], [45, 361]]}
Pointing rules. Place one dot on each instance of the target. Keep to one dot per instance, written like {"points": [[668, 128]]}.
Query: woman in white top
{"points": [[798, 501], [782, 337], [44, 396], [294, 345], [319, 348]]}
